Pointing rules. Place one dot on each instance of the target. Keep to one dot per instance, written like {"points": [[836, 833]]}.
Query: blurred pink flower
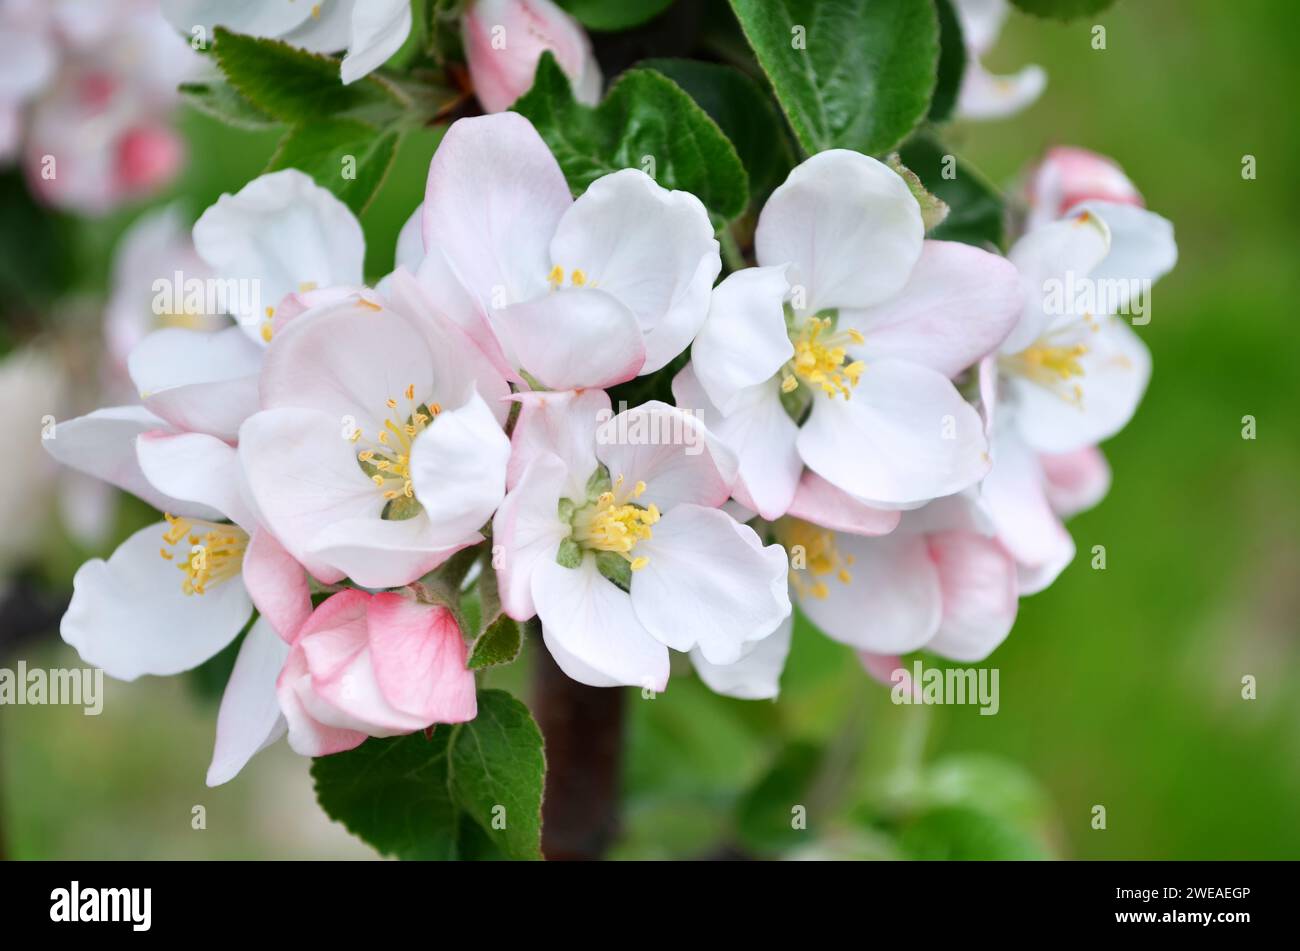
{"points": [[504, 39]]}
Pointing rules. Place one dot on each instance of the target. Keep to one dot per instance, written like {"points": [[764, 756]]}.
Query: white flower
{"points": [[570, 294], [378, 452], [617, 545], [983, 95], [837, 352]]}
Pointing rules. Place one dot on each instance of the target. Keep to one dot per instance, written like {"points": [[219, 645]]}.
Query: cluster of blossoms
{"points": [[882, 428], [85, 91]]}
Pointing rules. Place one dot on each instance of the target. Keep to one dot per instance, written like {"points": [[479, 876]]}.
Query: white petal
{"points": [[379, 28], [410, 242], [980, 596], [384, 553], [281, 232], [254, 17], [197, 468], [669, 450], [1074, 245], [197, 381], [102, 444], [757, 675], [904, 436], [563, 424], [573, 339], [986, 96], [709, 583], [958, 305], [494, 198], [130, 616], [1142, 245], [651, 248], [590, 629], [458, 469], [744, 342], [892, 603], [849, 225], [981, 22], [249, 719], [528, 530]]}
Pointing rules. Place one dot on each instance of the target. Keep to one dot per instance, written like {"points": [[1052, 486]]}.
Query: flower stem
{"points": [[583, 730]]}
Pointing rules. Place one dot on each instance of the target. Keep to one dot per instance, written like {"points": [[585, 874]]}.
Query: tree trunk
{"points": [[583, 729]]}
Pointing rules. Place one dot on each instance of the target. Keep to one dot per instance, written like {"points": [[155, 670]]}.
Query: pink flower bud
{"points": [[148, 157], [1068, 175], [504, 39]]}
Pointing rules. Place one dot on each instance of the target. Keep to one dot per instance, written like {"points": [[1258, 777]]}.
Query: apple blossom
{"points": [[504, 39], [1067, 176], [616, 543], [372, 665], [837, 352], [378, 451], [983, 95], [563, 293]]}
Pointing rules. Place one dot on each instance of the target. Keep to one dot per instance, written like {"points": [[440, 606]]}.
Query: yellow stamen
{"points": [[819, 359], [820, 558], [613, 523], [214, 556]]}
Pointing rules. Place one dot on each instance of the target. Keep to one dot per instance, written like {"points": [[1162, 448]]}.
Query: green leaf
{"points": [[745, 114], [500, 643], [646, 121], [765, 815], [419, 797], [952, 62], [975, 207], [293, 85], [854, 74], [222, 101], [348, 157], [394, 794], [609, 15], [1062, 9], [497, 773]]}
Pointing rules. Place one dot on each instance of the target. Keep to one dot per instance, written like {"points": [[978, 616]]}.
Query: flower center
{"points": [[615, 523], [215, 552], [821, 358], [813, 555], [1051, 366], [387, 456]]}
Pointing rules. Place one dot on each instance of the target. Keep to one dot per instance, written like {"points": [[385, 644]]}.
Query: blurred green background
{"points": [[1119, 688]]}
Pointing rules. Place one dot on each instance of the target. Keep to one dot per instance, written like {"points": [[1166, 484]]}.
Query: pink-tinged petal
{"points": [[563, 424], [198, 381], [1046, 256], [888, 669], [1091, 408], [671, 451], [744, 342], [249, 719], [1068, 176], [197, 468], [988, 380], [494, 198], [819, 502], [709, 583], [458, 470], [441, 284], [849, 225], [1013, 497], [905, 435], [573, 339], [757, 675], [419, 656], [527, 531], [502, 71], [307, 735], [977, 578], [958, 305], [293, 306], [129, 615], [1076, 481], [277, 584], [760, 433], [102, 444], [891, 602], [379, 28], [302, 476], [590, 629], [458, 363], [651, 248]]}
